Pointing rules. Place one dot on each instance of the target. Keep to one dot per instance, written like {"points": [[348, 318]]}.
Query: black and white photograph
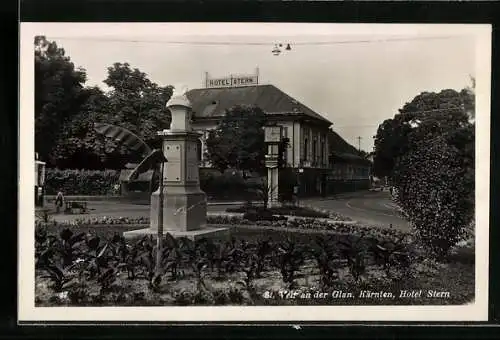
{"points": [[277, 171]]}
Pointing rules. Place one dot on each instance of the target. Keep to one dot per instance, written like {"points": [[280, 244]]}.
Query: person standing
{"points": [[59, 200]]}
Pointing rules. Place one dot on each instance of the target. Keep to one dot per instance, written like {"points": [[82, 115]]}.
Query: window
{"points": [[322, 152], [306, 148], [285, 131], [285, 151], [314, 145]]}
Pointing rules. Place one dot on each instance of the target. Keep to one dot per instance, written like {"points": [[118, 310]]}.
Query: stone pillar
{"points": [[184, 203], [273, 136], [272, 180]]}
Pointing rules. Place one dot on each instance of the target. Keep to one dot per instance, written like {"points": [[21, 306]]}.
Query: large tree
{"points": [[428, 115], [238, 140], [137, 103], [429, 152], [134, 102], [59, 94]]}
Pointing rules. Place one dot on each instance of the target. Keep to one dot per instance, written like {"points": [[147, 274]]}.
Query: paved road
{"points": [[369, 207]]}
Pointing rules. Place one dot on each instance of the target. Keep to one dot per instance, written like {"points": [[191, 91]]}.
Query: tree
{"points": [[428, 115], [134, 103], [238, 140], [435, 191], [59, 94], [78, 146], [137, 103]]}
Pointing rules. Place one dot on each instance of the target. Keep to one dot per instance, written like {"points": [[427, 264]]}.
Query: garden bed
{"points": [[295, 223], [255, 268], [262, 213]]}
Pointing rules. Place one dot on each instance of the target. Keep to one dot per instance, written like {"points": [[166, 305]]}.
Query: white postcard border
{"points": [[477, 311]]}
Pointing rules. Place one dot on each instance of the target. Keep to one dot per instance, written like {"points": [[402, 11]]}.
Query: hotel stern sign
{"points": [[232, 80]]}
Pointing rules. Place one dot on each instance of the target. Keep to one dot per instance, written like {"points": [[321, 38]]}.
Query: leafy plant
{"points": [[183, 298], [79, 293], [138, 260], [353, 251], [392, 256], [324, 252], [290, 259], [61, 279], [172, 255], [70, 245]]}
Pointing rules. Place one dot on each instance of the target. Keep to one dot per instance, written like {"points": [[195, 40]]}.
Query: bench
{"points": [[71, 206]]}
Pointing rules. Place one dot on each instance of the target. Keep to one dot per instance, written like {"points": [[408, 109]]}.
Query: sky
{"points": [[354, 75]]}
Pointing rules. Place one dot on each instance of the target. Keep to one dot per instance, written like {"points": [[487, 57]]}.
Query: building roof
{"points": [[342, 151], [339, 145], [213, 102], [349, 158]]}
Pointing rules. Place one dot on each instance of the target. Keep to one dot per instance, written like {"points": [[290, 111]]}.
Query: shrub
{"points": [[81, 182], [434, 193], [225, 186], [262, 215], [283, 210]]}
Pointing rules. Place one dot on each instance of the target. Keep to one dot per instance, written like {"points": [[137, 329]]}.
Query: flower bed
{"points": [[262, 213], [78, 268], [296, 223]]}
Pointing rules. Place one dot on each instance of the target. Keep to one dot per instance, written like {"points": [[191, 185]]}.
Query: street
{"points": [[373, 208]]}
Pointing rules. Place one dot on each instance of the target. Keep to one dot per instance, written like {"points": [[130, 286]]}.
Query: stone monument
{"points": [[184, 204]]}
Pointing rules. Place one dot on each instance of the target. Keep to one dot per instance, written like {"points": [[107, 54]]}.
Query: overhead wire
{"points": [[252, 43]]}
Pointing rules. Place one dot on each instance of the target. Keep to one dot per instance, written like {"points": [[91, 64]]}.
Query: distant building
{"points": [[327, 162]]}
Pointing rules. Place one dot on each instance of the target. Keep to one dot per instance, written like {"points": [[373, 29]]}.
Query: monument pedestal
{"points": [[184, 215], [184, 204], [213, 233]]}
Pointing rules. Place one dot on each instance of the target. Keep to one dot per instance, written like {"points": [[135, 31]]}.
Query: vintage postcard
{"points": [[271, 172]]}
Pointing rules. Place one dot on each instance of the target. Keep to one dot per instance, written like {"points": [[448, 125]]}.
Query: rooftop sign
{"points": [[232, 80]]}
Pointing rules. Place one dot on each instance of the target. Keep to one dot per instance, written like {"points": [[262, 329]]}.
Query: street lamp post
{"points": [[159, 239]]}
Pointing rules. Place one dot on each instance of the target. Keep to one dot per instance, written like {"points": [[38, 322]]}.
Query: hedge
{"points": [[82, 182], [225, 186]]}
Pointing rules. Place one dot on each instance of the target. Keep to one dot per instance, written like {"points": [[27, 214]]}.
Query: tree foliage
{"points": [[59, 94], [434, 190], [428, 151], [78, 146], [137, 103], [238, 140], [428, 115], [65, 111]]}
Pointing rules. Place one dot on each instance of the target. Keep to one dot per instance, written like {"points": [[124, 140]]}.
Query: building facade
{"points": [[311, 151]]}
